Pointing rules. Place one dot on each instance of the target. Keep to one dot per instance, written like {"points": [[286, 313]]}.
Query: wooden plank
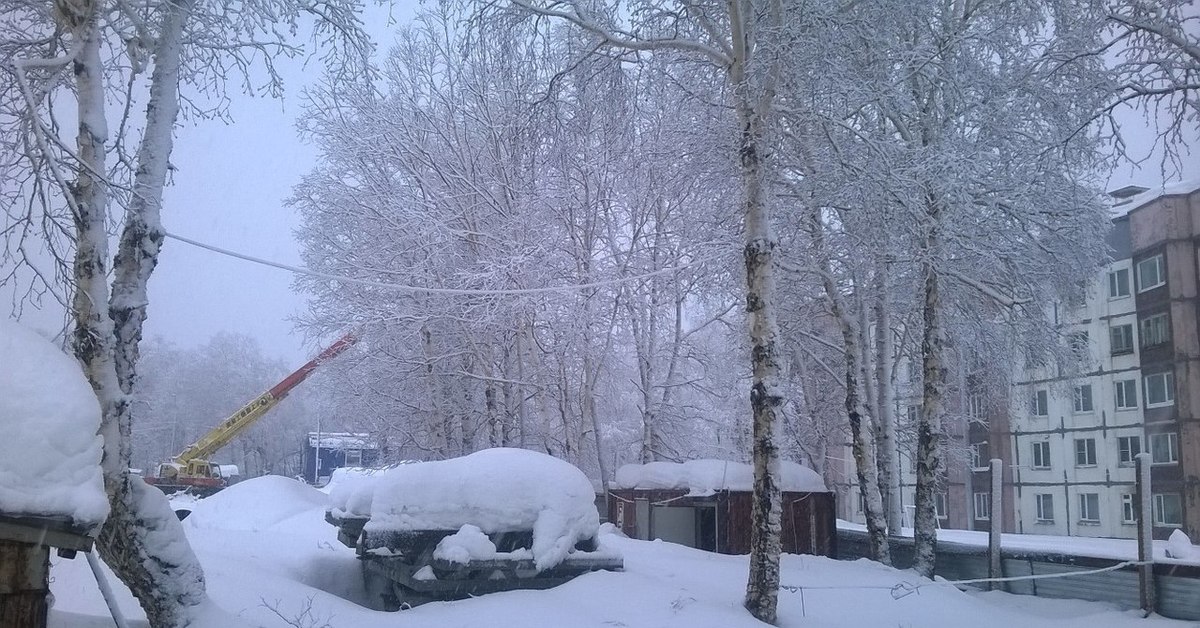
{"points": [[24, 584], [50, 531]]}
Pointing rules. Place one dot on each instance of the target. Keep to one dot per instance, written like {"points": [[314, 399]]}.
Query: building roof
{"points": [[342, 440], [1129, 199]]}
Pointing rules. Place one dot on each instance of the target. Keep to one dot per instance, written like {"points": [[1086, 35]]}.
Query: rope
{"points": [[426, 290]]}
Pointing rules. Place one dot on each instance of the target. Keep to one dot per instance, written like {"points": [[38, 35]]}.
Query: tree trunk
{"points": [[141, 528], [766, 399], [24, 584], [929, 461], [861, 441], [885, 414]]}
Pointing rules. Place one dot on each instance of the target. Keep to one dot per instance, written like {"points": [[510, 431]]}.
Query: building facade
{"points": [[1074, 438], [1068, 440]]}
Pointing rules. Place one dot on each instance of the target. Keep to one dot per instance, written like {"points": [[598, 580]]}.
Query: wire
{"points": [[422, 289]]}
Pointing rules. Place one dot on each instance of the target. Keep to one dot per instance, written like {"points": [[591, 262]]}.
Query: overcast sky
{"points": [[229, 191]]}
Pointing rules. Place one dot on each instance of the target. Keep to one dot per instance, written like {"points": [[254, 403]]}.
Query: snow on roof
{"points": [[1137, 201], [49, 453], [343, 440], [704, 477], [496, 490]]}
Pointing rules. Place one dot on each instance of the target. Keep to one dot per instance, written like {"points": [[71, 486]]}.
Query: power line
{"points": [[427, 290]]}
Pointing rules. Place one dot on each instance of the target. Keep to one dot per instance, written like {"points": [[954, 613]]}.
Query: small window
{"points": [[1083, 398], [1122, 339], [1041, 455], [939, 505], [1155, 330], [1160, 389], [1126, 391], [975, 410], [983, 506], [980, 460], [1118, 283], [1151, 273], [1168, 509], [1045, 508], [1127, 448], [353, 457], [1089, 507], [1129, 508], [1164, 448], [1079, 343], [1085, 452], [1041, 403]]}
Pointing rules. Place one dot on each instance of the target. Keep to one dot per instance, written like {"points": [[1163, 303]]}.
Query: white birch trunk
{"points": [[929, 461], [141, 540], [885, 413]]}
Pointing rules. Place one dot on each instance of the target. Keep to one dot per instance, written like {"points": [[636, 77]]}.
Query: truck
{"points": [[192, 470]]}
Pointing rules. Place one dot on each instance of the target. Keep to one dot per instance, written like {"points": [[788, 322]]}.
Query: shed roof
{"points": [[704, 477]]}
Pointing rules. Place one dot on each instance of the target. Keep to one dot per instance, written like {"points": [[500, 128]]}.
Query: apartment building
{"points": [[1073, 439], [1068, 441]]}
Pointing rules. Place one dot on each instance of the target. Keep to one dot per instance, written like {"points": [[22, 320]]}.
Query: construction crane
{"points": [[193, 472]]}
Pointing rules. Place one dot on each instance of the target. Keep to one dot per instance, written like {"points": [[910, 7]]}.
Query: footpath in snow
{"points": [[271, 559]]}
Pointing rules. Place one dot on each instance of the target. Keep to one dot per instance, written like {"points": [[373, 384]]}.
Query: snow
{"points": [[469, 543], [497, 490], [1094, 547], [704, 477], [1180, 547], [351, 491], [255, 505], [50, 453], [342, 440], [1181, 187], [296, 566]]}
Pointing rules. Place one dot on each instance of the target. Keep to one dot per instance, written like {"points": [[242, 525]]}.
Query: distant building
{"points": [[326, 451]]}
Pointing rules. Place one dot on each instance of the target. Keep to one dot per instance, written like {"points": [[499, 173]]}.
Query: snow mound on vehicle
{"points": [[255, 504], [351, 489], [50, 453], [704, 477], [496, 490]]}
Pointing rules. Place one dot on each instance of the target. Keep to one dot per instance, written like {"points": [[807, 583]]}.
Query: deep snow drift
{"points": [[50, 453], [296, 566]]}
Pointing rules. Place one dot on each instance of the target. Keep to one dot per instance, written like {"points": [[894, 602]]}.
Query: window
{"points": [[1129, 509], [1045, 508], [1168, 509], [1089, 507], [1118, 283], [983, 506], [939, 505], [1078, 341], [1127, 448], [1121, 337], [975, 407], [1085, 452], [1083, 398], [1150, 273], [1155, 330], [980, 460], [1041, 455], [1164, 448], [1041, 403], [353, 457], [1126, 390], [1160, 389]]}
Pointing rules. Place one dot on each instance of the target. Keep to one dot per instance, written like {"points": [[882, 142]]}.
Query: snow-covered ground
{"points": [[264, 545], [1177, 550]]}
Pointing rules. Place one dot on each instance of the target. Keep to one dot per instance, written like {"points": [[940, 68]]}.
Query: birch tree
{"points": [[141, 540]]}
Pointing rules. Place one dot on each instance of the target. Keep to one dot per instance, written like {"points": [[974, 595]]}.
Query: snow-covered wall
{"points": [[49, 450]]}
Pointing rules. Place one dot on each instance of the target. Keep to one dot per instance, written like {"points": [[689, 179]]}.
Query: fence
{"points": [[1177, 586]]}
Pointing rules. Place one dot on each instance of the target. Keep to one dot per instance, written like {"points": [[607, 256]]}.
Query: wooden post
{"points": [[1145, 535], [24, 584], [996, 524]]}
